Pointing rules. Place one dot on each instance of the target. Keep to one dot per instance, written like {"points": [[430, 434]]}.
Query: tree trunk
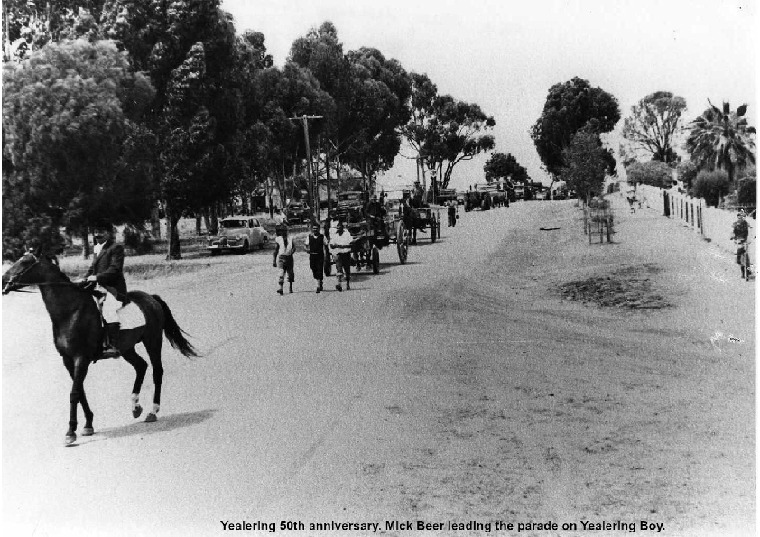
{"points": [[207, 220], [198, 231], [85, 242], [155, 223], [214, 230], [327, 174], [174, 251]]}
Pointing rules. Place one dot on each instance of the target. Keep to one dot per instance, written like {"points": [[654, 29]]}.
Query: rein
{"points": [[14, 281]]}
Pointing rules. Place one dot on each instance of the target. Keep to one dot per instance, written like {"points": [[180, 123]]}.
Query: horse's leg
{"points": [[88, 415], [141, 366], [154, 352], [77, 394]]}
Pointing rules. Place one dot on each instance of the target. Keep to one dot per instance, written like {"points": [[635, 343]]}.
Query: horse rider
{"points": [[107, 272], [374, 211]]}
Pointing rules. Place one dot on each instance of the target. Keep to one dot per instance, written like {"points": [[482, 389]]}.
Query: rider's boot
{"points": [[110, 347]]}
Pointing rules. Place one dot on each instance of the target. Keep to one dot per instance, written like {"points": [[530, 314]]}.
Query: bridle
{"points": [[13, 284]]}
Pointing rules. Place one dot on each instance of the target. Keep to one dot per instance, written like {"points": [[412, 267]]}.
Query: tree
{"points": [[746, 191], [70, 125], [687, 172], [587, 163], [29, 25], [457, 131], [381, 89], [421, 105], [570, 107], [722, 139], [654, 173], [505, 166], [653, 123], [188, 48]]}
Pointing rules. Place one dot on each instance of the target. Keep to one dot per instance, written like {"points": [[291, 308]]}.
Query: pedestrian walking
{"points": [[315, 245], [340, 245], [283, 257], [452, 214]]}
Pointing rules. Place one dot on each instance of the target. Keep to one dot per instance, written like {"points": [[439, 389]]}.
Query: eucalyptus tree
{"points": [[188, 48], [570, 107], [722, 139], [654, 123], [505, 166], [28, 25], [72, 137], [458, 131], [421, 106], [278, 96], [378, 110]]}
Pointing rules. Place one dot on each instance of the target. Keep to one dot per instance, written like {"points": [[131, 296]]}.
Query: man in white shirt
{"points": [[340, 246], [283, 257]]}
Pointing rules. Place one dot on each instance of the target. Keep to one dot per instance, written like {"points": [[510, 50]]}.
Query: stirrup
{"points": [[109, 352]]}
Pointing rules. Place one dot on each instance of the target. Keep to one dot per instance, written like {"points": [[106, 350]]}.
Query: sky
{"points": [[505, 55]]}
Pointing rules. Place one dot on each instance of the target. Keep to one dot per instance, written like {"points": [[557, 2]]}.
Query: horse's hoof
{"points": [[150, 418], [88, 431], [70, 439], [137, 411]]}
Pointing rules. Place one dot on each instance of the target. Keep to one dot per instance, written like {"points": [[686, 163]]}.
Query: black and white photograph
{"points": [[393, 267]]}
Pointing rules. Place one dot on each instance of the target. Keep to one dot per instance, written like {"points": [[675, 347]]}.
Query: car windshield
{"points": [[228, 224]]}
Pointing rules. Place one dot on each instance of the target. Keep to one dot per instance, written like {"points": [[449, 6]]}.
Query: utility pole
{"points": [[312, 191]]}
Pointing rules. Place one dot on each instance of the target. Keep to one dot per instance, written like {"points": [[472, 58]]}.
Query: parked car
{"points": [[238, 233], [297, 213], [542, 195]]}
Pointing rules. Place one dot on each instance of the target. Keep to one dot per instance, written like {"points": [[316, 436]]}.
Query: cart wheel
{"points": [[401, 242], [375, 260]]}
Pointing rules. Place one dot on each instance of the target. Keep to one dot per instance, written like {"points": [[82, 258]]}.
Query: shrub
{"points": [[137, 240], [711, 185], [746, 192], [654, 173], [687, 172]]}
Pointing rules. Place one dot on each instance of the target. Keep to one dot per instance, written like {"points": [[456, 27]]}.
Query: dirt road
{"points": [[480, 382]]}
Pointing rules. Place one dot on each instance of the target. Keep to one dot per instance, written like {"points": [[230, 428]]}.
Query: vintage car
{"points": [[238, 233], [297, 213]]}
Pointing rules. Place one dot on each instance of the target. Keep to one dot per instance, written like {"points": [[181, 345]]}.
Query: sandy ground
{"points": [[487, 380]]}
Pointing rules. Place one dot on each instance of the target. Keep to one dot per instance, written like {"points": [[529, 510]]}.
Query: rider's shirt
{"points": [[108, 268]]}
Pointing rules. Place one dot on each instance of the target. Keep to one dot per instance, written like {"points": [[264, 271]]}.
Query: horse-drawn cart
{"points": [[424, 219], [368, 236]]}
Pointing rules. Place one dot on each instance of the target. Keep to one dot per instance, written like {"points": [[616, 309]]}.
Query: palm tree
{"points": [[722, 139]]}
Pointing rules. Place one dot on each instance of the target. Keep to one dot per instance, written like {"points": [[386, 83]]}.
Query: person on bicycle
{"points": [[741, 234]]}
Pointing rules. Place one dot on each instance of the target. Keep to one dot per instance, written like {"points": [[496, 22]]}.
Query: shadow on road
{"points": [[164, 423]]}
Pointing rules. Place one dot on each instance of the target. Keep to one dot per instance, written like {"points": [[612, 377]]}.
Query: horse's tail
{"points": [[173, 332]]}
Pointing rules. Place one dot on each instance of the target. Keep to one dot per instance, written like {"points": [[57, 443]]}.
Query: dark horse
{"points": [[78, 332]]}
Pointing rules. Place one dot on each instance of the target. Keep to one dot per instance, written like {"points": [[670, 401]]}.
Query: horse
{"points": [[78, 332]]}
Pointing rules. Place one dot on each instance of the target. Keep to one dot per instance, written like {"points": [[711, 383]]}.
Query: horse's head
{"points": [[29, 270]]}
